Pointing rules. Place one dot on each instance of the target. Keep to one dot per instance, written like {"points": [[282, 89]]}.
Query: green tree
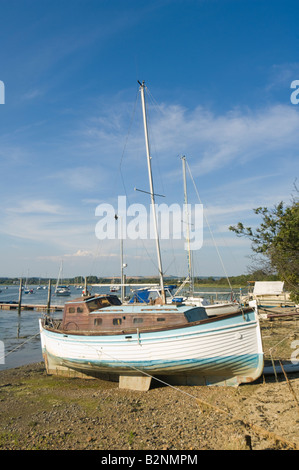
{"points": [[277, 238]]}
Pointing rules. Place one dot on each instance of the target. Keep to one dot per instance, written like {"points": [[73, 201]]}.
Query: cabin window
{"points": [[160, 319], [94, 305], [114, 300], [100, 302], [97, 321], [138, 320], [117, 321], [71, 309], [79, 310]]}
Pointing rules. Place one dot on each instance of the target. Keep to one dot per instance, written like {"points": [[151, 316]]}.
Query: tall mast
{"points": [[188, 233], [142, 87]]}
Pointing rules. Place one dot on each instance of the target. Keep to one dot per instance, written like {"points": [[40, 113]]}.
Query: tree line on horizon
{"points": [[240, 281]]}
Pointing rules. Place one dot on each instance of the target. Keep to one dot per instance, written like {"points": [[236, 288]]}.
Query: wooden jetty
{"points": [[37, 307], [13, 305], [278, 312]]}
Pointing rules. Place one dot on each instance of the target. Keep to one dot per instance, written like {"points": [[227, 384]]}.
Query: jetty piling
{"points": [[49, 298], [20, 297]]}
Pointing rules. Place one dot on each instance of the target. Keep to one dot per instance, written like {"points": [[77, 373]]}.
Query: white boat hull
{"points": [[218, 308], [227, 351]]}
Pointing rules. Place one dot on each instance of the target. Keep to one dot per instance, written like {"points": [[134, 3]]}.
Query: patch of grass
{"points": [[8, 440], [131, 437]]}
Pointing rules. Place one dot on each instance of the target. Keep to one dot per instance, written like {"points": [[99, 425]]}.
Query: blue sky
{"points": [[218, 74]]}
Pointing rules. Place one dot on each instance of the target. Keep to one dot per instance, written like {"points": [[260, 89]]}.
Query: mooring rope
{"points": [[19, 346], [247, 424]]}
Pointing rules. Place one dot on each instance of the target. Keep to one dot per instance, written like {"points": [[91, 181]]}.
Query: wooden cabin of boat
{"points": [[105, 314]]}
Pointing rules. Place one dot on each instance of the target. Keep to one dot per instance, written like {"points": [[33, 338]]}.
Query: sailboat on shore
{"points": [[133, 343]]}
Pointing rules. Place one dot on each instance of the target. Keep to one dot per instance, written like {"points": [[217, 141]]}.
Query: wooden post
{"points": [[49, 297], [20, 298], [85, 287]]}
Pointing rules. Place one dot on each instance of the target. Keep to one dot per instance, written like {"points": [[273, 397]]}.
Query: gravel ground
{"points": [[41, 412]]}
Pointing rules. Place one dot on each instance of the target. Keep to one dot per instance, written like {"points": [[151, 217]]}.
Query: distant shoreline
{"points": [[241, 281]]}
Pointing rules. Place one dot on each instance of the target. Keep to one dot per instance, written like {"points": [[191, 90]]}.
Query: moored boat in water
{"points": [[62, 290]]}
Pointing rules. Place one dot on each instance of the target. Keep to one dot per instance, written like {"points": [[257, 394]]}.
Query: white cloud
{"points": [[281, 75], [230, 139], [80, 253], [46, 223], [32, 94], [213, 141], [35, 207], [80, 178]]}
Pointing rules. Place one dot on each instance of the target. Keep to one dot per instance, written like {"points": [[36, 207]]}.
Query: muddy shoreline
{"points": [[42, 412]]}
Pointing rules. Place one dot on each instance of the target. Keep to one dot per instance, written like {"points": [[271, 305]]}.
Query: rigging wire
{"points": [[158, 108], [153, 143], [121, 173], [207, 222], [99, 245], [126, 141]]}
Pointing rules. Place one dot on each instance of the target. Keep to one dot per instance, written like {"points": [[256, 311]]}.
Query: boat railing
{"points": [[218, 294], [52, 322]]}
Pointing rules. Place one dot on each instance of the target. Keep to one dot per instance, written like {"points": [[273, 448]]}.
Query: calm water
{"points": [[18, 331]]}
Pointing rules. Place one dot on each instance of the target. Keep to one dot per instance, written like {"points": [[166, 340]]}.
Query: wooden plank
{"points": [[281, 315], [38, 307]]}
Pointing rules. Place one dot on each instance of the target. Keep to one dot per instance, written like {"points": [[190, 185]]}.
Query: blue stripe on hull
{"points": [[229, 365]]}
